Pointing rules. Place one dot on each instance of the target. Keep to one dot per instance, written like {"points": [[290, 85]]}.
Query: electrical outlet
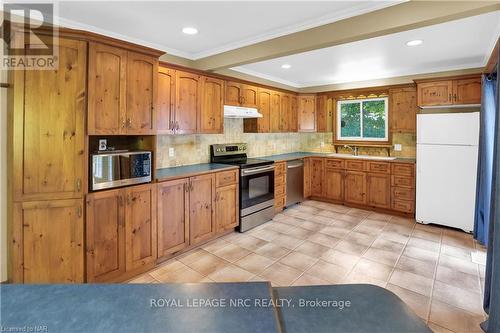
{"points": [[322, 144], [171, 152], [398, 147]]}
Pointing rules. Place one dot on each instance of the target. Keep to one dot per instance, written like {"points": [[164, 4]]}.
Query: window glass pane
{"points": [[374, 119], [350, 117]]}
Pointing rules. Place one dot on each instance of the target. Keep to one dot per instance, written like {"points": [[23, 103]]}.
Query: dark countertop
{"points": [[298, 155], [130, 308], [190, 170]]}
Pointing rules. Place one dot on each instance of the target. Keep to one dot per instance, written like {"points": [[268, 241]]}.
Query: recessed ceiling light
{"points": [[286, 66], [414, 42], [190, 30]]}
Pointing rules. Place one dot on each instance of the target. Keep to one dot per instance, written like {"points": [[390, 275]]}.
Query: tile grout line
{"points": [[431, 298]]}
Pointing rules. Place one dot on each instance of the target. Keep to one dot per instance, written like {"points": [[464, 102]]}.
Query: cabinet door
{"points": [[140, 226], [467, 91], [173, 216], [165, 109], [264, 100], [233, 94], [378, 188], [334, 183], [226, 207], [317, 175], [188, 101], [212, 106], [307, 114], [435, 93], [285, 112], [142, 80], [275, 122], [307, 177], [107, 90], [49, 128], [293, 120], [50, 242], [355, 187], [403, 106], [201, 208], [321, 113], [105, 233], [249, 96]]}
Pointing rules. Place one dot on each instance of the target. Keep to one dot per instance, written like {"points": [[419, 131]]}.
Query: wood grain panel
{"points": [[188, 101], [227, 207], [378, 189], [165, 100], [355, 187], [212, 106], [201, 208]]}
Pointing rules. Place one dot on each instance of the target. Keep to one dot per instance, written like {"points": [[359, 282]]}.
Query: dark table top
{"points": [[190, 170], [299, 155]]}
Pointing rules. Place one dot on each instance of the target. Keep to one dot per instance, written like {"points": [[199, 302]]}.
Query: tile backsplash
{"points": [[195, 148]]}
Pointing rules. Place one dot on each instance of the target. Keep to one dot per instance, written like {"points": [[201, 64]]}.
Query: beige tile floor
{"points": [[428, 267]]}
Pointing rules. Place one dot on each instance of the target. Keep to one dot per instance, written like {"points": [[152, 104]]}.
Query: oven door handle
{"points": [[256, 170]]}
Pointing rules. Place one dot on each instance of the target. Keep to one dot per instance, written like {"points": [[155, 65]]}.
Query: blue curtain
{"points": [[491, 302], [484, 186]]}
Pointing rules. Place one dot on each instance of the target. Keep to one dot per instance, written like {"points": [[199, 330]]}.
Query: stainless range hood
{"points": [[240, 112]]}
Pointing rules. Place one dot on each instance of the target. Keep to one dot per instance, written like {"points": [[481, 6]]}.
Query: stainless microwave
{"points": [[117, 169]]}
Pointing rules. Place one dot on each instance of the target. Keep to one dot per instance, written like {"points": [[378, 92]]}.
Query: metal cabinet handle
{"points": [[78, 185]]}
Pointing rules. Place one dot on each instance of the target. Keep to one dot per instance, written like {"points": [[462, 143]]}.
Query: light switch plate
{"points": [[171, 152], [398, 147], [103, 144]]}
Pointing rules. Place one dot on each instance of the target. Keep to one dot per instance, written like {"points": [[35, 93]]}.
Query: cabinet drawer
{"points": [[279, 168], [403, 193], [226, 178], [334, 164], [402, 181], [403, 206], [382, 167], [355, 165], [403, 169], [279, 190]]}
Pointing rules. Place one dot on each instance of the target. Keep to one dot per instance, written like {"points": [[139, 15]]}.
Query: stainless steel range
{"points": [[256, 183]]}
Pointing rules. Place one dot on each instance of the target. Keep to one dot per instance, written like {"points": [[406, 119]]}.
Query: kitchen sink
{"points": [[368, 157]]}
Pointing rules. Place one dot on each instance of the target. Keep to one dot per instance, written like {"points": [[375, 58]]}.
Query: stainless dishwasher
{"points": [[294, 182]]}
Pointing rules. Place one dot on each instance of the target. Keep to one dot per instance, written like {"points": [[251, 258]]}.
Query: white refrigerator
{"points": [[447, 154]]}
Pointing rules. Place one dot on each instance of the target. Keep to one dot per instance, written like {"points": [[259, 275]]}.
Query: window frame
{"points": [[361, 138]]}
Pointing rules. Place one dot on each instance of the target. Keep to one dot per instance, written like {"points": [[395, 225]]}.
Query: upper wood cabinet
{"points": [[285, 111], [211, 114], [48, 241], [453, 91], [275, 119], [324, 114], [173, 216], [240, 94], [306, 113], [105, 235], [293, 115], [201, 208], [403, 109], [260, 125], [122, 91], [48, 128], [140, 226], [165, 111], [188, 97]]}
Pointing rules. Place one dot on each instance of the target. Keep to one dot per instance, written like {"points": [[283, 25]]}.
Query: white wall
{"points": [[3, 178]]}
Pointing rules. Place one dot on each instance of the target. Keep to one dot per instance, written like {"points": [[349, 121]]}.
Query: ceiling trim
{"points": [[397, 18]]}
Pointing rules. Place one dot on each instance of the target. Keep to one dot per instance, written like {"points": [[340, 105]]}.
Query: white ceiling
{"points": [[222, 25], [460, 44]]}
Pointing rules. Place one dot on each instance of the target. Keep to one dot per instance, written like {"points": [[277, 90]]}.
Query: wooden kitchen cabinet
{"points": [[275, 119], [355, 187], [212, 106], [188, 98], [165, 100], [260, 125], [324, 114], [307, 177], [467, 91], [107, 70], [48, 242], [201, 208], [306, 113], [453, 91], [279, 186], [48, 128], [105, 235], [240, 94], [317, 169], [227, 207], [435, 93], [173, 216], [249, 96], [403, 106], [334, 184], [378, 190], [285, 111], [140, 226], [293, 115]]}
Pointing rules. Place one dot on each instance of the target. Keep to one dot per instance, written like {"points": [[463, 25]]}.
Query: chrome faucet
{"points": [[355, 150]]}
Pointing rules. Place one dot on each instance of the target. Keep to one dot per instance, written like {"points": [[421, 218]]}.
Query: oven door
{"points": [[256, 188]]}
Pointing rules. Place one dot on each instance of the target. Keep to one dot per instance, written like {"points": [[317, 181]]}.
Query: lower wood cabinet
{"points": [[317, 168], [201, 207], [173, 216], [355, 187], [48, 242], [121, 231], [227, 207], [378, 189], [334, 184]]}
